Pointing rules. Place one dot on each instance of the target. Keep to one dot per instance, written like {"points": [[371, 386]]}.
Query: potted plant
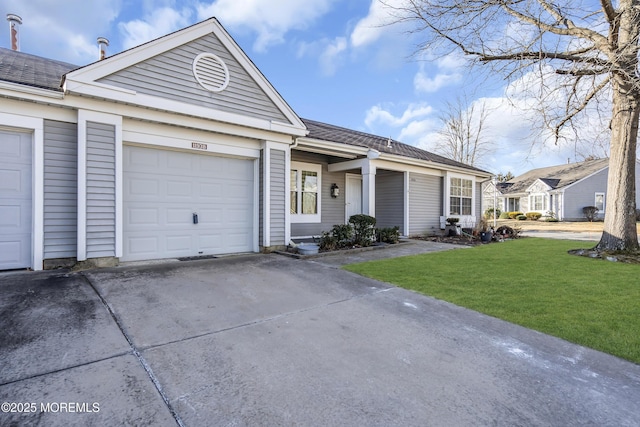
{"points": [[452, 228], [484, 231]]}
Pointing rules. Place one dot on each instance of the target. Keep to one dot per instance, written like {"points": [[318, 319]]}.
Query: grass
{"points": [[534, 283]]}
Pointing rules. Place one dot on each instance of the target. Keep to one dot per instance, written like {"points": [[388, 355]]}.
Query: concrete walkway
{"points": [[269, 340]]}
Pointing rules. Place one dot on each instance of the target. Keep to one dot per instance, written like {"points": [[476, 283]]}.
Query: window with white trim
{"points": [[599, 202], [305, 185], [460, 196], [538, 202]]}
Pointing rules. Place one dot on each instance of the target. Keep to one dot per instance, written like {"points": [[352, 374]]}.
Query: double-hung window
{"points": [[538, 202], [460, 196], [305, 185]]}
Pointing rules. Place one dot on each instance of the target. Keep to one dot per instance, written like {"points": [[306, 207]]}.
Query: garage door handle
{"points": [[195, 218]]}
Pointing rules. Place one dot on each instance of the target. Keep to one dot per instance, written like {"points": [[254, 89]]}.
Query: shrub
{"points": [[489, 212], [534, 216], [590, 212], [328, 242], [637, 214], [389, 235], [343, 233], [551, 219], [513, 215], [364, 231], [521, 217], [504, 215]]}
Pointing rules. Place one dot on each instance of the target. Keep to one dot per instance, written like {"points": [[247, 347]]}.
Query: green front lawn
{"points": [[534, 283]]}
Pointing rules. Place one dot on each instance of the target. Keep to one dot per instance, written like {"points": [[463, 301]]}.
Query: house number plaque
{"points": [[198, 146]]}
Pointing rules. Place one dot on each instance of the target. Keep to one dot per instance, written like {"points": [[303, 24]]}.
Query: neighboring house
{"points": [[562, 190], [180, 147]]}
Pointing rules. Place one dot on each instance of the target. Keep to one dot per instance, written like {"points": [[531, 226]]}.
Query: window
{"points": [[599, 202], [513, 205], [538, 203], [460, 196], [305, 192]]}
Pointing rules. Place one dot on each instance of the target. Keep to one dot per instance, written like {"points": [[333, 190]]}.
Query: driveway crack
{"points": [[145, 365]]}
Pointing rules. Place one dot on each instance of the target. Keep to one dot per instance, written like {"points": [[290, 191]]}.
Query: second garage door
{"points": [[179, 204]]}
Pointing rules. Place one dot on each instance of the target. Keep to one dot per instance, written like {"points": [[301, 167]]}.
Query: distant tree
{"points": [[505, 177], [575, 51], [464, 132]]}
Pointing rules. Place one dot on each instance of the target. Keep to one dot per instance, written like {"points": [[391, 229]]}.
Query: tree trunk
{"points": [[620, 232]]}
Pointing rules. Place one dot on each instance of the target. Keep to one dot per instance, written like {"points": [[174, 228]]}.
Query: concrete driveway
{"points": [[269, 340]]}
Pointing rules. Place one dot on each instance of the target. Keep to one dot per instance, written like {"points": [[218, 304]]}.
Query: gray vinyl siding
{"points": [[277, 197], [425, 204], [333, 210], [583, 194], [60, 189], [390, 199], [170, 76], [101, 213]]}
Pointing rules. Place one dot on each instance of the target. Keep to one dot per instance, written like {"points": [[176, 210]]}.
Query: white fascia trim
{"points": [[538, 180], [226, 39], [85, 116], [406, 203], [30, 90], [266, 194], [331, 147], [256, 205], [168, 141], [287, 197], [130, 57], [349, 164], [433, 165], [35, 125], [155, 103]]}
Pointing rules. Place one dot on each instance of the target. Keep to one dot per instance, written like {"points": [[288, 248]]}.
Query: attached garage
{"points": [[15, 199], [183, 204]]}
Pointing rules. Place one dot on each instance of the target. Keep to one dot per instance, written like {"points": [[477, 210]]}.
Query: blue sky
{"points": [[332, 60]]}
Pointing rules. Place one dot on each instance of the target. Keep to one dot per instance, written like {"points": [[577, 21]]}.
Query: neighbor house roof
{"points": [[327, 132], [31, 70], [555, 177]]}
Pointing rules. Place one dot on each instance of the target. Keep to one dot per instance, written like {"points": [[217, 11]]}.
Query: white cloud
{"points": [[378, 114], [157, 24], [331, 58], [68, 32], [270, 19], [373, 26], [449, 72]]}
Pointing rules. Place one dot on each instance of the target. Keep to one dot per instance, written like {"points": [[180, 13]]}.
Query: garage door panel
{"points": [[179, 216], [141, 217], [217, 189], [15, 199]]}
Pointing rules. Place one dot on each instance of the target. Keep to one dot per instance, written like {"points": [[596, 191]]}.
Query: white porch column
{"points": [[369, 189]]}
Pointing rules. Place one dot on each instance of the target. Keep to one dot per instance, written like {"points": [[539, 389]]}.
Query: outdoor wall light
{"points": [[335, 191]]}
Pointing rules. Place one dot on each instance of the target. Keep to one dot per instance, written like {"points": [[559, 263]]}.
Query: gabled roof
{"points": [[30, 70], [556, 177], [327, 132]]}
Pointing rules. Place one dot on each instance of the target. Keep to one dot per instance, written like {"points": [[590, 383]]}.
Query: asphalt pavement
{"points": [[269, 340]]}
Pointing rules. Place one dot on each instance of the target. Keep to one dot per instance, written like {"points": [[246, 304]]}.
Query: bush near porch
{"points": [[589, 302]]}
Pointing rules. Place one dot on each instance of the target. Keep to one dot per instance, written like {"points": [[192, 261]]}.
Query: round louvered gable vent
{"points": [[211, 72]]}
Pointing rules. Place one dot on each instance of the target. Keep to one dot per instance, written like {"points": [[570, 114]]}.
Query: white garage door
{"points": [[15, 200], [165, 191]]}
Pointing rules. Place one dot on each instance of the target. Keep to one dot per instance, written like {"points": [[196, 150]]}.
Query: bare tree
{"points": [[464, 132], [579, 52]]}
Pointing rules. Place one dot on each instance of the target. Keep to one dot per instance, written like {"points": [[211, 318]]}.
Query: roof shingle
{"points": [[31, 70]]}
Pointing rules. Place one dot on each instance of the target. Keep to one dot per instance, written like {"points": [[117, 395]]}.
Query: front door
{"points": [[353, 196]]}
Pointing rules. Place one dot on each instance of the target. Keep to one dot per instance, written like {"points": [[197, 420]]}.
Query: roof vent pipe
{"points": [[102, 48], [14, 30]]}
